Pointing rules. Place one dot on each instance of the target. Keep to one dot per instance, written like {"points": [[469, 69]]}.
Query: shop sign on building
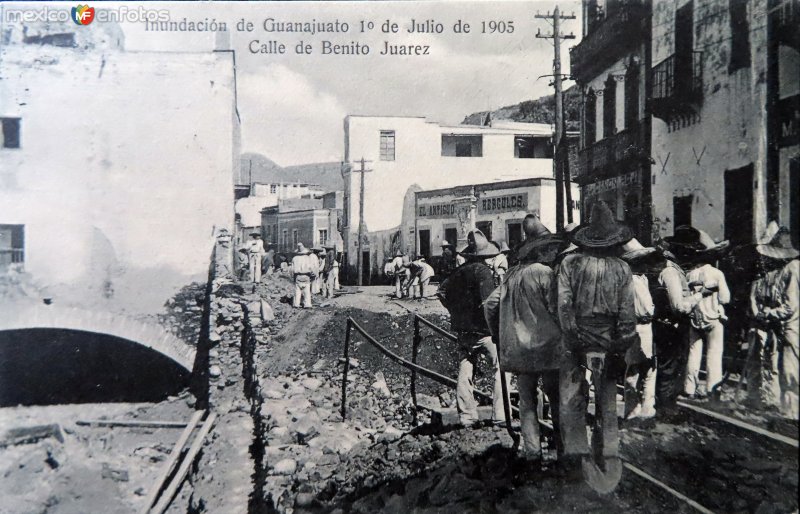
{"points": [[436, 210], [611, 184], [504, 203]]}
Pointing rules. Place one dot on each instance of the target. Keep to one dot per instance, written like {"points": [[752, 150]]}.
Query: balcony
{"points": [[786, 19], [612, 154], [610, 36], [10, 256], [677, 86]]}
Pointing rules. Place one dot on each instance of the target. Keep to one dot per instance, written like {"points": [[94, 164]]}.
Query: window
{"points": [[387, 145], [682, 210], [529, 147], [589, 118], [632, 96], [610, 107], [295, 240], [10, 128], [273, 188], [285, 239], [323, 237], [462, 145], [12, 245], [740, 35]]}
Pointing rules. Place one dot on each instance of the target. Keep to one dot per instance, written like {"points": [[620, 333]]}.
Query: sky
{"points": [[293, 106]]}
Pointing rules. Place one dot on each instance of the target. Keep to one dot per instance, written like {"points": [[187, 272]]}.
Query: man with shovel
{"points": [[597, 316]]}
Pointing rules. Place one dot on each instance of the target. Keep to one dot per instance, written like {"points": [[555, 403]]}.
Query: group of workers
{"points": [[314, 270], [594, 298]]}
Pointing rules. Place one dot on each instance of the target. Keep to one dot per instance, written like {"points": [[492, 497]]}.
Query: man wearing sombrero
{"points": [[640, 378], [304, 269], [697, 251], [463, 294], [775, 317], [596, 313], [521, 316], [255, 249], [398, 273]]}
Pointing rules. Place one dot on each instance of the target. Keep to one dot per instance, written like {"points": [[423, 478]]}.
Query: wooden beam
{"points": [[173, 458], [166, 498], [130, 423]]}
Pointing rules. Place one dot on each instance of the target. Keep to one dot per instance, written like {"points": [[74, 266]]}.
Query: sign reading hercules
{"points": [[505, 203]]}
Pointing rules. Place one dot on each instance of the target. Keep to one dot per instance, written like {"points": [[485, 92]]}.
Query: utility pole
{"points": [[556, 36], [360, 254]]}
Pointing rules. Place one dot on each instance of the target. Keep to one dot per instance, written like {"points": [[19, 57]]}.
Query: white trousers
{"points": [[714, 342], [302, 290]]}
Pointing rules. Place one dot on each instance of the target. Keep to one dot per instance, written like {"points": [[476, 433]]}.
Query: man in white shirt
{"points": [[255, 250], [399, 273], [304, 268]]}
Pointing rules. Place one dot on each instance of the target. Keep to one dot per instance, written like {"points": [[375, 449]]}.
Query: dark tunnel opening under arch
{"points": [[50, 366]]}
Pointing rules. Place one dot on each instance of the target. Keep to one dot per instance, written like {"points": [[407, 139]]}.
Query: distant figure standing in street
{"points": [[596, 311], [316, 284], [255, 249], [463, 294], [268, 261], [304, 269], [772, 376], [331, 270], [697, 251]]}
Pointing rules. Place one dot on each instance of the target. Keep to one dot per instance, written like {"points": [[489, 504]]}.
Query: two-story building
{"points": [[116, 167], [313, 220], [724, 101], [611, 66], [408, 154]]}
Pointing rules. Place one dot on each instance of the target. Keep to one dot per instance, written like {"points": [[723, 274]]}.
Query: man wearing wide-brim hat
{"points": [[640, 381], [255, 249], [521, 316], [500, 262], [447, 262], [597, 316], [775, 318], [463, 294], [697, 251], [304, 269], [330, 270]]}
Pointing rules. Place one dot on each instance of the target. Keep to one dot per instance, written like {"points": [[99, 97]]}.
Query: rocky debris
{"points": [[23, 435], [117, 475], [183, 312]]}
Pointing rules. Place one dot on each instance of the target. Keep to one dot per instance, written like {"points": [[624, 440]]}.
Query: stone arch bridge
{"points": [[150, 335]]}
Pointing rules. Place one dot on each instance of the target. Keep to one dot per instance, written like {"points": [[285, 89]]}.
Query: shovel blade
{"points": [[601, 481]]}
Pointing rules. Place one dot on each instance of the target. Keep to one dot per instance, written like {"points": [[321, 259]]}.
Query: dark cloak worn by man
{"points": [[463, 294], [522, 316], [596, 313]]}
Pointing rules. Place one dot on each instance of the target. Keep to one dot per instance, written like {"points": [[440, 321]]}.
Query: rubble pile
{"points": [[184, 311]]}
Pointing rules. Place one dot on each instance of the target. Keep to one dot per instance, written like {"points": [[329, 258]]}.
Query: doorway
{"points": [[739, 226], [365, 268], [514, 233], [425, 243]]}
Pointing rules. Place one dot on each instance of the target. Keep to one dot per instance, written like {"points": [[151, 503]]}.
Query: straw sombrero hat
{"points": [[634, 250], [602, 231], [531, 250], [483, 248], [779, 245], [533, 227]]}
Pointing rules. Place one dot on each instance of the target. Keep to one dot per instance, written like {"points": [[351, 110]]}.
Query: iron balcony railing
{"points": [[610, 36], [610, 150], [677, 84], [11, 256]]}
